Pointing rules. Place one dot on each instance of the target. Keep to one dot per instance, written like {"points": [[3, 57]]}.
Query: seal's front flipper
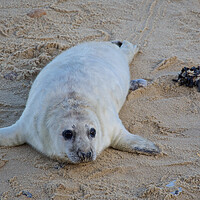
{"points": [[137, 83], [134, 143], [11, 136]]}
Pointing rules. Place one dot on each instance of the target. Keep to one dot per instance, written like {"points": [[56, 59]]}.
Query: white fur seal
{"points": [[72, 109]]}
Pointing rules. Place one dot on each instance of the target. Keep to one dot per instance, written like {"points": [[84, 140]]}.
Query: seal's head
{"points": [[79, 141], [72, 135]]}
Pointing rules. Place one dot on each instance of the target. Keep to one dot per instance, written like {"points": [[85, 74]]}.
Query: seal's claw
{"points": [[135, 84], [148, 151], [118, 43], [135, 144], [146, 147]]}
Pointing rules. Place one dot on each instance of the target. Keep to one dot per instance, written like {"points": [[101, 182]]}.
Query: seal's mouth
{"points": [[76, 157], [77, 160], [83, 157], [79, 157]]}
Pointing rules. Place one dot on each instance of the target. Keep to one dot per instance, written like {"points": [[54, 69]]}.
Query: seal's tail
{"points": [[11, 136]]}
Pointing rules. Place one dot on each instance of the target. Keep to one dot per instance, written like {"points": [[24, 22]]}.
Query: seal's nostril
{"points": [[84, 156], [89, 154]]}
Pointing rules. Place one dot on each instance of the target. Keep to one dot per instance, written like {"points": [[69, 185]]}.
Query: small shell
{"points": [[36, 13], [10, 76]]}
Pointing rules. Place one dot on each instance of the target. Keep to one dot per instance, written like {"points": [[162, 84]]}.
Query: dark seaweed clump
{"points": [[189, 77]]}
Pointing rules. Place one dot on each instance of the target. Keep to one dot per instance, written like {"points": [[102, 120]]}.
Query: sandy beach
{"points": [[168, 33]]}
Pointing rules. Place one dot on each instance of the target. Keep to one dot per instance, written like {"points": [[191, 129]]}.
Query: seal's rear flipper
{"points": [[135, 143], [11, 136], [128, 49]]}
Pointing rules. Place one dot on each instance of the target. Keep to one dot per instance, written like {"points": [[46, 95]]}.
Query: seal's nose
{"points": [[84, 155]]}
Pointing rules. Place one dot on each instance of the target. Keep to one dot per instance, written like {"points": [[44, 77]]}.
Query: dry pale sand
{"points": [[163, 112]]}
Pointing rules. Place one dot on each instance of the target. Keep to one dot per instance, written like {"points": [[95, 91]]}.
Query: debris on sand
{"points": [[189, 77], [37, 13]]}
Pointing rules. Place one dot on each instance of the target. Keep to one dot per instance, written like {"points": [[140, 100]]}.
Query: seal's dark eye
{"points": [[67, 134], [92, 132]]}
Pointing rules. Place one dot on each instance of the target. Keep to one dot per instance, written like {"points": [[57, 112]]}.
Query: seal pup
{"points": [[72, 110]]}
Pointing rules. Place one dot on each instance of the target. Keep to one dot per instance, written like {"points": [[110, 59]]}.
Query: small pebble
{"points": [[28, 194], [177, 192], [135, 84], [36, 13], [171, 184], [59, 165]]}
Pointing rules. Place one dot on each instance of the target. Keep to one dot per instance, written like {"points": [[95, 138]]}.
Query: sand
{"points": [[168, 32]]}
